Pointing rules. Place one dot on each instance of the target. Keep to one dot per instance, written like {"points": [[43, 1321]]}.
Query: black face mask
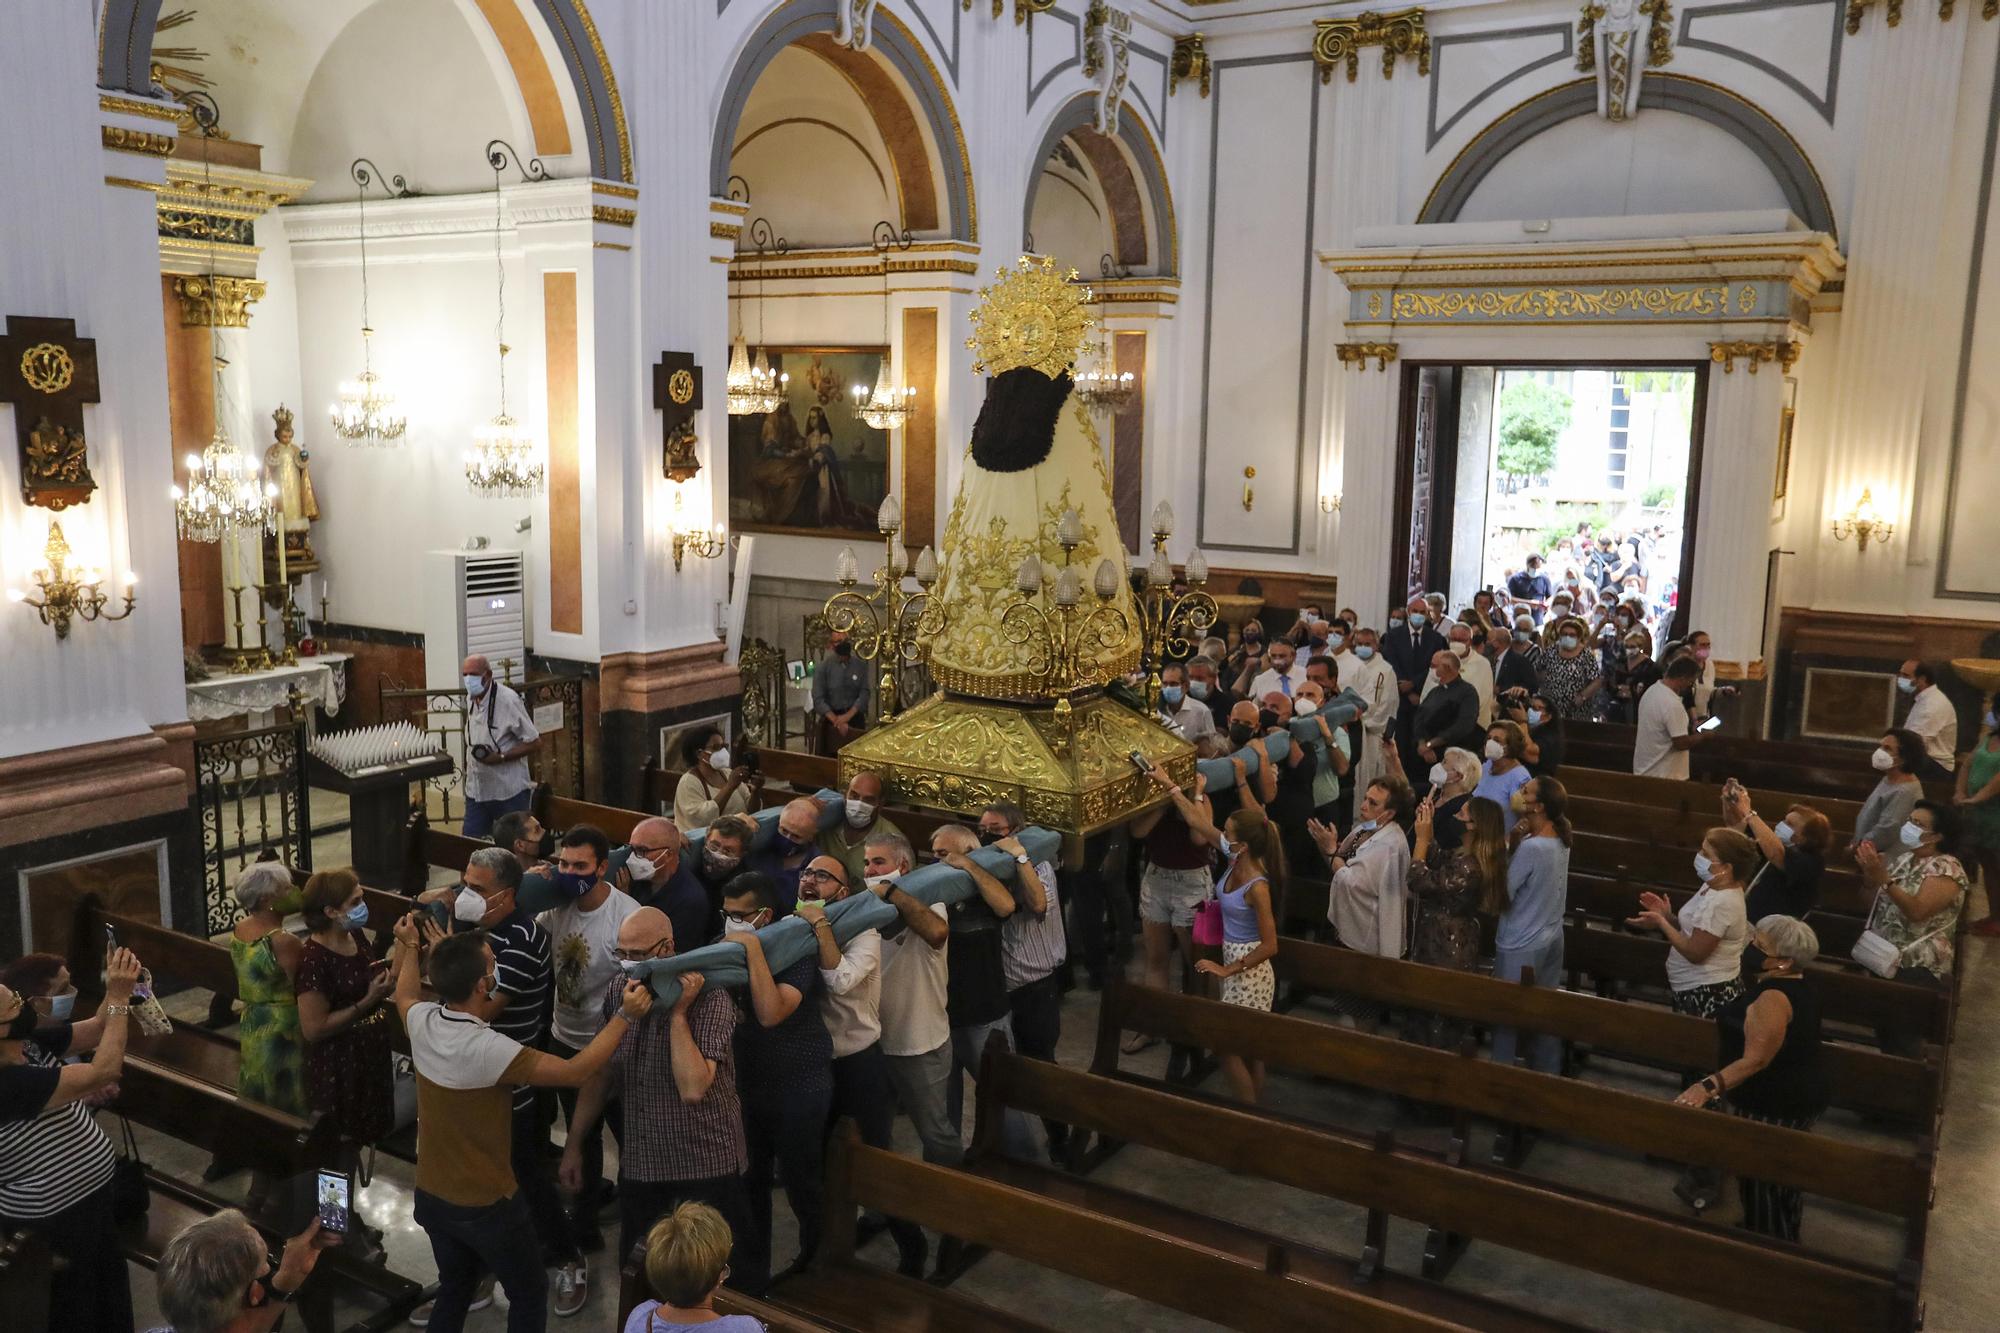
{"points": [[1266, 719], [22, 1025], [987, 837], [843, 649], [1240, 734]]}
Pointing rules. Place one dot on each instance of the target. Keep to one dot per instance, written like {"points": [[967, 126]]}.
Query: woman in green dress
{"points": [[267, 959], [1978, 801]]}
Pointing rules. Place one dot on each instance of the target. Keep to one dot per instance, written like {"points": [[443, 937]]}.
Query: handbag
{"points": [[1874, 951], [129, 1195], [1208, 922], [147, 1012]]}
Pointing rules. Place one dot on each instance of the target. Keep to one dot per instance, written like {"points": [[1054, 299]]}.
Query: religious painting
{"points": [[1781, 483], [811, 466]]}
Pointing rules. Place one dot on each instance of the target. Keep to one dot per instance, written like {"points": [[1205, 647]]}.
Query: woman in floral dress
{"points": [[267, 957], [1920, 892]]}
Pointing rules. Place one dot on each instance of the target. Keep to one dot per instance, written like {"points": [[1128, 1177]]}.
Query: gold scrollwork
{"points": [[617, 217], [144, 142], [47, 368], [1562, 302], [1659, 35], [1190, 63], [1891, 9], [1356, 356], [217, 302], [1339, 41], [680, 387], [1753, 354]]}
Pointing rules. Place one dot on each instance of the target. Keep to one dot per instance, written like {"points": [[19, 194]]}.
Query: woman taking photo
{"points": [[1919, 893], [1769, 1064], [1570, 676], [1451, 887], [1530, 933], [1794, 851], [712, 786], [342, 989], [1254, 875], [1706, 937]]}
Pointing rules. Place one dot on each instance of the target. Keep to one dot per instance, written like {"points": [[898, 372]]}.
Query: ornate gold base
{"points": [[1065, 764], [242, 661]]}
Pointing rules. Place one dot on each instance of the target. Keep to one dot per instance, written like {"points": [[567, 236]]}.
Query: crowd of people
{"points": [[1435, 814]]}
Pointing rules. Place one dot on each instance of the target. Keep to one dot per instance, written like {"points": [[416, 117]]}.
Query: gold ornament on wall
{"points": [[48, 373], [1356, 356], [1191, 65], [1033, 315], [1339, 41]]}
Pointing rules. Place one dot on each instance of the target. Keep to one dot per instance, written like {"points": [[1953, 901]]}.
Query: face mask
{"points": [[22, 1025], [1171, 695], [1912, 833], [1701, 654], [630, 966], [804, 903], [786, 844], [1395, 622], [475, 686], [1783, 833], [1440, 775], [1461, 650], [357, 916], [575, 886], [1240, 734], [1364, 826], [1703, 867], [1335, 640], [843, 649], [1198, 688], [1363, 651], [1992, 721], [731, 926], [640, 868], [719, 761], [468, 906], [1225, 846], [1568, 642], [860, 814], [1304, 708], [876, 881], [987, 837], [719, 863], [1905, 684], [1495, 750], [1418, 620], [1624, 621], [60, 1006], [1524, 636], [1534, 717], [1266, 719], [1882, 761]]}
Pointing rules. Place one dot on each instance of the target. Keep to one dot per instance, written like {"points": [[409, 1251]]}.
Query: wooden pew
{"points": [[198, 1113], [561, 814], [1612, 897], [1745, 1275], [1703, 798], [173, 960], [1907, 1090], [1254, 1293], [1667, 864], [1797, 766], [25, 1269]]}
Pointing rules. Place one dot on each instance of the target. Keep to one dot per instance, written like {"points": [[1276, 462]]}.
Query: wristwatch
{"points": [[117, 1008], [1020, 858]]}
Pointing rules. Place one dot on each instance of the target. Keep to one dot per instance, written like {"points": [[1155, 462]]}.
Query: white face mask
{"points": [[876, 881], [1439, 775], [1567, 642], [1703, 867], [1912, 833], [1460, 649], [731, 926], [1495, 750], [1304, 708], [60, 1006], [1534, 717], [640, 868], [1882, 760], [468, 906], [1783, 833], [719, 761], [860, 814], [475, 686]]}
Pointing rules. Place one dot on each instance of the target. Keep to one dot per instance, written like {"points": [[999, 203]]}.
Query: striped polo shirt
{"points": [[49, 1159]]}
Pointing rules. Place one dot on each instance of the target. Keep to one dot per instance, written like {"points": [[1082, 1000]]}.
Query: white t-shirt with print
{"points": [[580, 945], [1721, 913]]}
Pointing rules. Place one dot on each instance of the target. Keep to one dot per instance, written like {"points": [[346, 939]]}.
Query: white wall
{"points": [[815, 162]]}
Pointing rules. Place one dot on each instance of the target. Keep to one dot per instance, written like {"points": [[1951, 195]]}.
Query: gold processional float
{"points": [[1029, 615]]}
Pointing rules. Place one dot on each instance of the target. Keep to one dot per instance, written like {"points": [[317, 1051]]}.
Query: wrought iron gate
{"points": [[250, 787]]}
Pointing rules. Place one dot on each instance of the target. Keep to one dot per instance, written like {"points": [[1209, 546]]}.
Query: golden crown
{"points": [[1033, 315]]}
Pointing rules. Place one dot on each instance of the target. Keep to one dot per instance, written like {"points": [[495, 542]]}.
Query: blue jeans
{"points": [[500, 1239], [480, 815], [1545, 1052]]}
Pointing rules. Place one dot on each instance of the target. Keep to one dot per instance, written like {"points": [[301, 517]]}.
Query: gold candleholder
{"points": [[241, 658]]}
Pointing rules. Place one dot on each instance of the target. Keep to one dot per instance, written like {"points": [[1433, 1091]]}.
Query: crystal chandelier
{"points": [[754, 389], [366, 413], [225, 489], [1101, 387], [888, 407], [503, 459]]}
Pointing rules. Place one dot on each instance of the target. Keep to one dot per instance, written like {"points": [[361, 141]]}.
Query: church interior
{"points": [[1339, 505]]}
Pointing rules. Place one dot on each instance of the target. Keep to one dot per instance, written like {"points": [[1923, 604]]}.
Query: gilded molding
{"points": [[614, 190], [146, 143], [1026, 9], [725, 231], [1754, 354], [215, 301], [610, 90], [1339, 41], [617, 217], [1892, 9], [1659, 34], [1556, 303], [857, 271], [1190, 63], [1356, 356], [127, 183], [131, 106]]}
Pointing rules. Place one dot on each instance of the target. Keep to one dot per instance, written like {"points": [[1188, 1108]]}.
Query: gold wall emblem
{"points": [[46, 368], [680, 387]]}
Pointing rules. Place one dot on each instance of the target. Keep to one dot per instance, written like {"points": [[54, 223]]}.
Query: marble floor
{"points": [[1958, 1286]]}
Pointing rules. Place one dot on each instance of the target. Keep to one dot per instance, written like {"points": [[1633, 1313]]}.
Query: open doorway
{"points": [[1593, 467]]}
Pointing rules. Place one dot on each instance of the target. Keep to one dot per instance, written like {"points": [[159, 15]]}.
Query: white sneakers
{"points": [[572, 1288]]}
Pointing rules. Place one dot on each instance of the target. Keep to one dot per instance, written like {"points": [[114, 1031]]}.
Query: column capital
{"points": [[1356, 356], [1726, 354], [216, 301]]}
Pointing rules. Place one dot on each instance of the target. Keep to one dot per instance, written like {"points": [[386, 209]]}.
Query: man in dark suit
{"points": [[1408, 650], [1448, 716]]}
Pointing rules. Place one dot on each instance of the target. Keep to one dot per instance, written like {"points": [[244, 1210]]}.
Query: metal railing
{"points": [[250, 789]]}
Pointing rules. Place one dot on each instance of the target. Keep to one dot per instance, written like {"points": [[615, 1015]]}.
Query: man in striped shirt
{"points": [[1032, 948], [521, 961]]}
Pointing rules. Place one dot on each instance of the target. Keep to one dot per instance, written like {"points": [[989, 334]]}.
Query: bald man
{"points": [[864, 820], [653, 866], [499, 737], [675, 1075], [788, 852]]}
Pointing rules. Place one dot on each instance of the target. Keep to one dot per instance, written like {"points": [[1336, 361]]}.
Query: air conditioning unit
{"points": [[476, 602]]}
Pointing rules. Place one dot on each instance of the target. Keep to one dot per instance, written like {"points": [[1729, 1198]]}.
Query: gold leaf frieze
{"points": [[1563, 303], [1339, 41]]}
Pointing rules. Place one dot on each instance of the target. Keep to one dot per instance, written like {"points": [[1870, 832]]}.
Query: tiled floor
{"points": [[1964, 1231]]}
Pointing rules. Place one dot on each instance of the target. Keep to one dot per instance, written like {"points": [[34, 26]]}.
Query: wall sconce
{"points": [[701, 543], [1863, 523], [1329, 502], [70, 594]]}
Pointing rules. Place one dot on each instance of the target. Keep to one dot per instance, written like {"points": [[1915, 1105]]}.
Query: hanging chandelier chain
{"points": [[500, 267]]}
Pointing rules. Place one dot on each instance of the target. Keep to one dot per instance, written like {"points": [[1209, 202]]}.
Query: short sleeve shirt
{"points": [[913, 992], [498, 719], [1662, 718], [49, 1159], [667, 1139], [465, 1069], [1723, 914], [581, 945], [521, 961]]}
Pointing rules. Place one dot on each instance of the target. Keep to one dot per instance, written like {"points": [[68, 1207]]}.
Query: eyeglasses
{"points": [[743, 917], [811, 873], [633, 955], [647, 852]]}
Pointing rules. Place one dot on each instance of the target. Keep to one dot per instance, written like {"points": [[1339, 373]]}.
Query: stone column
{"points": [[213, 329], [1731, 555]]}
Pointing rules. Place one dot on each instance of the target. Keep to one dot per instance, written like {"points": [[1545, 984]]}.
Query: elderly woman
{"points": [[1453, 778], [1770, 1066], [1506, 768], [1570, 676], [215, 1275], [55, 1163], [267, 956], [1794, 851], [1920, 893]]}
